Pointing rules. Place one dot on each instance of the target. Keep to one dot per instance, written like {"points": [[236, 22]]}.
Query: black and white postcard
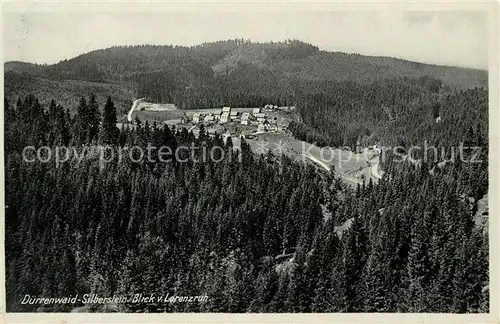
{"points": [[202, 160]]}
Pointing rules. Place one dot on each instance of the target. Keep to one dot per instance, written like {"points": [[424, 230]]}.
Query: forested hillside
{"points": [[24, 67], [260, 235], [237, 73], [390, 112]]}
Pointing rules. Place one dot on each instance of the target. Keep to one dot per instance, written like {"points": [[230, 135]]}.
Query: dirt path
{"points": [[327, 168], [323, 164], [373, 161], [374, 170], [374, 165], [134, 107]]}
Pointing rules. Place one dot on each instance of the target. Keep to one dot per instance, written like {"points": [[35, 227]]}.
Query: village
{"points": [[229, 121], [264, 129], [259, 120]]}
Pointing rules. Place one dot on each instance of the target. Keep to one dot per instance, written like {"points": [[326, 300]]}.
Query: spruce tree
{"points": [[109, 131]]}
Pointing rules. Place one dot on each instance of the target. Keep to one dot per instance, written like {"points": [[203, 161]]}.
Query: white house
{"points": [[196, 118], [224, 117], [261, 117], [226, 109], [272, 128], [255, 111], [264, 126], [281, 126], [245, 118], [209, 118], [233, 115], [225, 136]]}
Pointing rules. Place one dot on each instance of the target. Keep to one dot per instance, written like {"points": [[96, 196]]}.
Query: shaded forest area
{"points": [[391, 112], [65, 92], [221, 229]]}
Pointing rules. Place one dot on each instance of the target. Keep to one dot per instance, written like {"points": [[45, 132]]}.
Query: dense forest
{"points": [[253, 233], [391, 112], [236, 73]]}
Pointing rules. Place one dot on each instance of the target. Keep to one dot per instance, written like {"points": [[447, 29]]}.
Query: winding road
{"points": [[374, 163]]}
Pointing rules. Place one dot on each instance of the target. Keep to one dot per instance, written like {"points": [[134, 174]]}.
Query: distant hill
{"points": [[23, 67], [321, 65], [233, 72]]}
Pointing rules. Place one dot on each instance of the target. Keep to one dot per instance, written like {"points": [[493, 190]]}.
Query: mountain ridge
{"points": [[234, 72], [290, 54], [374, 56]]}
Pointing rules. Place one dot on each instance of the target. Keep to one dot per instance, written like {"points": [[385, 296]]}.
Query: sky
{"points": [[458, 38]]}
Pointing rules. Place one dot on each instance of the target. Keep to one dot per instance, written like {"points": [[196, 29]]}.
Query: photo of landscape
{"points": [[246, 162]]}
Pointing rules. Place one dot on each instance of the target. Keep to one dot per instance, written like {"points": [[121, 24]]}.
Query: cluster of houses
{"points": [[222, 117], [256, 117]]}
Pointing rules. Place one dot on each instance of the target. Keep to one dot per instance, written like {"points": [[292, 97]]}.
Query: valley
{"points": [[315, 216], [352, 168]]}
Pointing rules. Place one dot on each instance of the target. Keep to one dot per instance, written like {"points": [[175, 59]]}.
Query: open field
{"points": [[352, 167]]}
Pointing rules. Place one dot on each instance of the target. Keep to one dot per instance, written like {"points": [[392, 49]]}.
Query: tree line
{"points": [[266, 234]]}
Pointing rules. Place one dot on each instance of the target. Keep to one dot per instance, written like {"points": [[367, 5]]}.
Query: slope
{"points": [[67, 92]]}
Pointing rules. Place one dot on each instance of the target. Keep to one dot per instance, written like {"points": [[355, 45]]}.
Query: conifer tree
{"points": [[109, 131]]}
